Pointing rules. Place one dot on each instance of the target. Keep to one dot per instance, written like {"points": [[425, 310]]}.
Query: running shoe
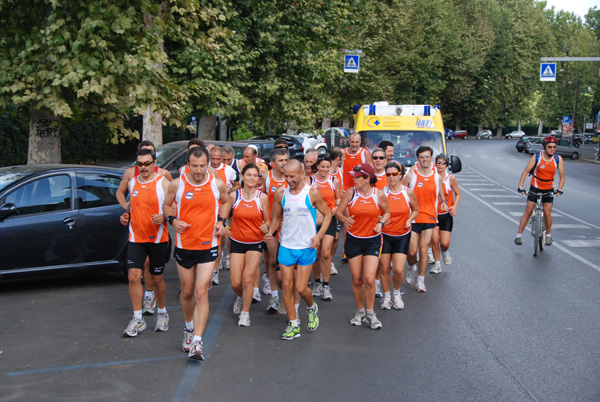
{"points": [[267, 287], [518, 241], [386, 303], [195, 352], [149, 305], [430, 256], [378, 289], [313, 317], [327, 293], [317, 289], [215, 278], [447, 258], [256, 297], [281, 308], [226, 262], [411, 276], [237, 306], [372, 320], [398, 303], [244, 320], [162, 322], [436, 269], [421, 286], [134, 327], [273, 304], [334, 271], [188, 337], [358, 317], [291, 332], [548, 240]]}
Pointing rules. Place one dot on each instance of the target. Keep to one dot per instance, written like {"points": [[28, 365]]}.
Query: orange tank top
{"points": [[448, 193], [338, 175], [271, 188], [426, 190], [381, 181], [146, 200], [399, 212], [366, 212], [247, 218], [197, 205], [543, 174], [350, 161], [327, 190]]}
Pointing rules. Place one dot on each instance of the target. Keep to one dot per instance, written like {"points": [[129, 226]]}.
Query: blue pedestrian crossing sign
{"points": [[351, 63], [548, 72]]}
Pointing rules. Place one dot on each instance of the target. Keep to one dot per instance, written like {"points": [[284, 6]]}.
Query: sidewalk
{"points": [[586, 153]]}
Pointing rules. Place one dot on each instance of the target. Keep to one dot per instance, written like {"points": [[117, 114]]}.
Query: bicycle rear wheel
{"points": [[534, 232]]}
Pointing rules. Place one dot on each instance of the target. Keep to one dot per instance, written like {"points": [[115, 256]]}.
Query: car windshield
{"points": [[405, 142], [166, 152], [8, 177]]}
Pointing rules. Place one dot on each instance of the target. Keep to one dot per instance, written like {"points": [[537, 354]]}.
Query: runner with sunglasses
{"points": [[404, 208], [542, 167], [443, 230], [379, 159], [367, 210]]}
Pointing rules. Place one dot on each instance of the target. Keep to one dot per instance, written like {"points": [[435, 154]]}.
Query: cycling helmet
{"points": [[549, 139]]}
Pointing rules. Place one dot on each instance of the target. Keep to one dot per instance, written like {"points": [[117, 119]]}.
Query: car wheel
{"points": [[519, 150], [575, 156], [322, 150]]}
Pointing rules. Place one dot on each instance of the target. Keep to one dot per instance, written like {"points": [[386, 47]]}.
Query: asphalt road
{"points": [[497, 324]]}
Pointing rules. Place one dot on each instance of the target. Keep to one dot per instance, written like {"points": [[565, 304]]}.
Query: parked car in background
{"points": [[336, 137], [522, 142], [60, 219], [173, 155], [515, 134], [484, 134], [555, 132], [462, 134], [449, 134], [532, 140], [295, 143], [563, 148]]}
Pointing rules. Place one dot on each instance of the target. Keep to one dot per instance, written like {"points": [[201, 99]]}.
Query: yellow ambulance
{"points": [[406, 126]]}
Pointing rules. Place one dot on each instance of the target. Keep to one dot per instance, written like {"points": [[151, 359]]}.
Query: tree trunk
{"points": [[152, 129], [206, 127], [44, 138], [326, 123], [499, 132], [541, 127]]}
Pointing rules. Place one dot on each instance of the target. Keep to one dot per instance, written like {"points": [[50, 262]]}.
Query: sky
{"points": [[579, 7]]}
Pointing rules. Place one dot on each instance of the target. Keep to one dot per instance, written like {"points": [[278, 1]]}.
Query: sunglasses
{"points": [[440, 163], [140, 164], [378, 158], [551, 146], [392, 174]]}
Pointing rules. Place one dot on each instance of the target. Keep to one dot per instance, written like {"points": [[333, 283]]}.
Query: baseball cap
{"points": [[363, 169]]}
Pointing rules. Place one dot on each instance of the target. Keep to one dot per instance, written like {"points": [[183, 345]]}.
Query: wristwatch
{"points": [[170, 219]]}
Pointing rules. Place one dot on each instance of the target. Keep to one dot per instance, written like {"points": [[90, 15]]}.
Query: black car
{"points": [[173, 155], [294, 143], [522, 143], [60, 219]]}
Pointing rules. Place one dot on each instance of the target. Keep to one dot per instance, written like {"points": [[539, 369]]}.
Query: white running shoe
{"points": [[215, 278], [281, 308], [436, 269], [162, 322], [188, 337], [398, 303], [317, 289], [386, 303], [134, 327], [195, 352], [447, 258], [149, 305], [273, 304], [327, 293], [378, 289], [237, 306], [372, 320], [267, 287], [411, 276], [333, 270], [430, 256], [421, 286], [256, 297], [226, 262], [244, 320], [358, 318]]}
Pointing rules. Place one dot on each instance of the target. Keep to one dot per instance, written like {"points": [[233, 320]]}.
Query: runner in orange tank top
{"points": [[353, 155], [197, 220], [396, 234], [379, 160], [542, 182], [443, 230], [424, 182], [367, 210], [250, 222], [148, 239], [336, 156]]}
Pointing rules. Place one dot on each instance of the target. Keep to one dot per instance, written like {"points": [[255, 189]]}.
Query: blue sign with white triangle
{"points": [[351, 63], [548, 72]]}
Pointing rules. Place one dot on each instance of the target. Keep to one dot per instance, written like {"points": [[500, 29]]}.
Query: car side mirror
{"points": [[7, 210], [455, 164]]}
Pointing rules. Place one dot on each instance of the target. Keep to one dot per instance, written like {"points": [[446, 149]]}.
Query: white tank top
{"points": [[299, 220]]}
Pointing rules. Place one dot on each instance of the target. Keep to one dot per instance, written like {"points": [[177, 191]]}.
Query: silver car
{"points": [[484, 134], [563, 148]]}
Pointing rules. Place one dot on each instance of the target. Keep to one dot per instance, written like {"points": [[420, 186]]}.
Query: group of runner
{"points": [[292, 214]]}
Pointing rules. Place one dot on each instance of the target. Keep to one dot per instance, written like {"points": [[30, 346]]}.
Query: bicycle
{"points": [[538, 227]]}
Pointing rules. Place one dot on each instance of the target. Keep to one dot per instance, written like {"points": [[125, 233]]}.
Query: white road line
{"points": [[554, 215], [516, 222], [508, 203], [500, 195], [486, 189], [581, 243], [569, 225]]}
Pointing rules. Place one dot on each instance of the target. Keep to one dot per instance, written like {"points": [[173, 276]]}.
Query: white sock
{"points": [[137, 314], [245, 313], [378, 281], [396, 292], [386, 295], [518, 235], [294, 323], [256, 290], [421, 278], [548, 235], [197, 339], [275, 294], [437, 264], [148, 294], [162, 310], [413, 267], [189, 325]]}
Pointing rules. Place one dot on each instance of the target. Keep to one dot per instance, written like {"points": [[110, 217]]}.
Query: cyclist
{"points": [[543, 167]]}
